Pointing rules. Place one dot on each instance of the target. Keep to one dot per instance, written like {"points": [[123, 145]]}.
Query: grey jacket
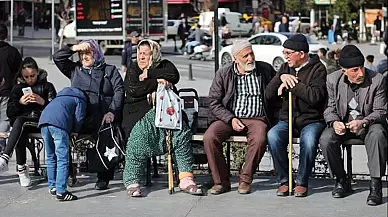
{"points": [[223, 88], [374, 106]]}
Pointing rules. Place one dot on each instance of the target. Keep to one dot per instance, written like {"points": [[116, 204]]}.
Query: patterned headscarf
{"points": [[156, 55], [98, 55]]}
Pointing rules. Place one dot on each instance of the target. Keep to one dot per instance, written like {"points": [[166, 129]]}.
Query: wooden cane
{"points": [[169, 162], [290, 142]]}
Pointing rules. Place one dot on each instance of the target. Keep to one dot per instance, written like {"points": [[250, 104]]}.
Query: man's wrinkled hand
{"points": [[280, 89], [289, 80], [355, 125], [237, 125], [339, 128]]}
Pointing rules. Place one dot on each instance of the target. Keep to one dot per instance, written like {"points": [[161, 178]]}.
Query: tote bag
{"points": [[168, 109]]}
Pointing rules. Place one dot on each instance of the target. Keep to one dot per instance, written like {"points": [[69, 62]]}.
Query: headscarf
{"points": [[156, 55], [98, 55]]}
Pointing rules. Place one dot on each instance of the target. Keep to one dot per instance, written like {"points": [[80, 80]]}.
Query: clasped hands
{"points": [[31, 98], [354, 126], [288, 81]]}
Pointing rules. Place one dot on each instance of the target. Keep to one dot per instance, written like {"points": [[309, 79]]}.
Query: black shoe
{"points": [[101, 185], [67, 196], [53, 191], [340, 189], [375, 196]]}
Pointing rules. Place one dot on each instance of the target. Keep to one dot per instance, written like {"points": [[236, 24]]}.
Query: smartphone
{"points": [[27, 90]]}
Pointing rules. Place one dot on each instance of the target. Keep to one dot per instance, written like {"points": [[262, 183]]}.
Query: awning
{"points": [[178, 1]]}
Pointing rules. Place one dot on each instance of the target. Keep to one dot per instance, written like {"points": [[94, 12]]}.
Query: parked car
{"points": [[268, 48], [294, 23]]}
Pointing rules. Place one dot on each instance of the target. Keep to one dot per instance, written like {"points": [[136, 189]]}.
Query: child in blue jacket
{"points": [[64, 115]]}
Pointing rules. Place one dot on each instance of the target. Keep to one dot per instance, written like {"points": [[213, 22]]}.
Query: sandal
{"points": [[193, 190], [134, 192]]}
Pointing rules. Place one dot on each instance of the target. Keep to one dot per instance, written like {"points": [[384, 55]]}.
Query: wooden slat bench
{"points": [[203, 125]]}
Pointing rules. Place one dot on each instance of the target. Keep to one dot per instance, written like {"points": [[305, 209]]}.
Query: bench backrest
{"points": [[203, 113]]}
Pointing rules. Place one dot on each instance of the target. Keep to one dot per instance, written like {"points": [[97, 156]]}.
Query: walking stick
{"points": [[290, 142], [169, 162]]}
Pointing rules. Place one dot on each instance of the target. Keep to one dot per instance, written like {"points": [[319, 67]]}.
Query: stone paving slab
{"points": [[16, 201]]}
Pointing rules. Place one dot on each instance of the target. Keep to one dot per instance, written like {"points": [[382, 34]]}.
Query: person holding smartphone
{"points": [[28, 98]]}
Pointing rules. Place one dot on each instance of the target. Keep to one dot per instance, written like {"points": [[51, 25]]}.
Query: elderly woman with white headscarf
{"points": [[144, 138]]}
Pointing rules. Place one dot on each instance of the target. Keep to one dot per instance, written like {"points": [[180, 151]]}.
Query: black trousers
{"points": [[18, 137], [375, 141]]}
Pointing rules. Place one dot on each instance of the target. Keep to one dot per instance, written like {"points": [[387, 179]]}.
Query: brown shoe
{"points": [[244, 188], [283, 191], [219, 189], [300, 191]]}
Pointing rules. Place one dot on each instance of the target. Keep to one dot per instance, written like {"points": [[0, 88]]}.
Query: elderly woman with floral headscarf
{"points": [[145, 139], [101, 82]]}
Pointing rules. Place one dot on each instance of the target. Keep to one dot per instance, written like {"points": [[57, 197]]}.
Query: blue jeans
{"points": [[190, 46], [56, 143], [278, 143]]}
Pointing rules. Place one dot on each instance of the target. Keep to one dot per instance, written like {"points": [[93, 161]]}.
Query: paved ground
{"points": [[35, 201], [16, 201]]}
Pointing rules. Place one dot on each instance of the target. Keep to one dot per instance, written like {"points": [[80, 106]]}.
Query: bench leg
{"points": [[35, 157], [155, 165], [228, 156], [148, 173], [349, 165]]}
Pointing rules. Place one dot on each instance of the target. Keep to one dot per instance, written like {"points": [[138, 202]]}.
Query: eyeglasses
{"points": [[288, 53]]}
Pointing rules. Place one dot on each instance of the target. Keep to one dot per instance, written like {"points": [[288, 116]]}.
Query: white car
{"points": [[268, 48]]}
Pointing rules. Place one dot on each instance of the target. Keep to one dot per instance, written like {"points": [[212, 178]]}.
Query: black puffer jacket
{"points": [[309, 95], [43, 88]]}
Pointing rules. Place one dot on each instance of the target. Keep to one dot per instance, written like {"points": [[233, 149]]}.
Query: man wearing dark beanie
{"points": [[306, 79], [357, 109]]}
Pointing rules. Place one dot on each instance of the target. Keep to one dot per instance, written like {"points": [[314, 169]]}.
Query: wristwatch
{"points": [[364, 125]]}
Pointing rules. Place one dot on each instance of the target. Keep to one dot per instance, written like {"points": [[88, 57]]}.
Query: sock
{"points": [[186, 182], [5, 157], [21, 168], [136, 185]]}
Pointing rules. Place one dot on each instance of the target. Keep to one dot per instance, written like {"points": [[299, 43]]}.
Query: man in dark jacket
{"points": [[183, 32], [10, 62], [128, 51], [357, 108], [306, 79], [238, 106]]}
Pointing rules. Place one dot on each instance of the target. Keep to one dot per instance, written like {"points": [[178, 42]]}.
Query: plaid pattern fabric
{"points": [[248, 101]]}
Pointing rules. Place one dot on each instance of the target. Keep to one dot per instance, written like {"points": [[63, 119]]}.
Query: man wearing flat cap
{"points": [[305, 78], [237, 106], [357, 108]]}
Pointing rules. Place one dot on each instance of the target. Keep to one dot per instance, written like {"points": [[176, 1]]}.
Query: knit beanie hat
{"points": [[240, 45], [297, 42], [350, 57]]}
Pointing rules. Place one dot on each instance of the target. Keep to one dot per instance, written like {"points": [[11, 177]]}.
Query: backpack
{"points": [[109, 150]]}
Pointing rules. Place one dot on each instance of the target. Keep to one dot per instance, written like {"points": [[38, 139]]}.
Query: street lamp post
{"points": [[216, 36], [11, 23]]}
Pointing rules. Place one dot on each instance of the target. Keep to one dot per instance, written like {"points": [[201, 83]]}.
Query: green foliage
{"points": [[293, 5], [237, 152]]}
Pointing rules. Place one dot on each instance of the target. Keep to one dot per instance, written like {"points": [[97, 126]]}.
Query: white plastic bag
{"points": [[168, 109]]}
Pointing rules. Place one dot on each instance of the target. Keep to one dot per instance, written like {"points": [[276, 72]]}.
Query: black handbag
{"points": [[109, 150]]}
